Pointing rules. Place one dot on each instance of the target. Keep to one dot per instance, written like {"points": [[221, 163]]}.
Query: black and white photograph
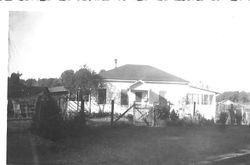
{"points": [[143, 83]]}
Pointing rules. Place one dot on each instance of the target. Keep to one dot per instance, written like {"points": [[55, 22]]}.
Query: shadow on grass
{"points": [[128, 144]]}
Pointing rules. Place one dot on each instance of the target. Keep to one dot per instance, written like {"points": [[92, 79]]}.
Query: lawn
{"points": [[128, 145]]}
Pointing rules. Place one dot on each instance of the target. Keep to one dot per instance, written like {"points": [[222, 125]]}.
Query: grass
{"points": [[128, 145]]}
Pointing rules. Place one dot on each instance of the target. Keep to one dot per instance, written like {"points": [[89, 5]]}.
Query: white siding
{"points": [[175, 93]]}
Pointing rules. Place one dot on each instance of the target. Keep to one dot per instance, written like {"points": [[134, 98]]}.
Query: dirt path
{"points": [[243, 154]]}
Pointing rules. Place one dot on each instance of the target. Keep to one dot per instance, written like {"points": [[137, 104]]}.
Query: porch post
{"points": [[153, 123], [112, 112], [134, 114]]}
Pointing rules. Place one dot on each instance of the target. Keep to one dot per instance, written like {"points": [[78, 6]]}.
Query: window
{"points": [[124, 97], [189, 99], [138, 96], [210, 99], [198, 99], [101, 96], [202, 99], [206, 99]]}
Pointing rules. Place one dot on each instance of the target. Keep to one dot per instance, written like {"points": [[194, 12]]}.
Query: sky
{"points": [[208, 43]]}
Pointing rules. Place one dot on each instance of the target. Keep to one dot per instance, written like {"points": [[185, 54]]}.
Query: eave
{"points": [[151, 82]]}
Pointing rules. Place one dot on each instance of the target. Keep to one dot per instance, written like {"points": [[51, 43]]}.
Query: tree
{"points": [[50, 82], [101, 71], [68, 80], [244, 97], [234, 96], [14, 79], [31, 82], [87, 79], [15, 84]]}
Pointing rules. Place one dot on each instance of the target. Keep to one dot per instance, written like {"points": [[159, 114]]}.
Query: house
{"points": [[146, 85], [246, 114], [60, 95], [233, 108]]}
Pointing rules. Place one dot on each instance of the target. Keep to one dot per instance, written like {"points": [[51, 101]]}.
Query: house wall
{"points": [[175, 93], [113, 92], [209, 110]]}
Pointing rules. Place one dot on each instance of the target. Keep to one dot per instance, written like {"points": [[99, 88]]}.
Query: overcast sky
{"points": [[198, 43]]}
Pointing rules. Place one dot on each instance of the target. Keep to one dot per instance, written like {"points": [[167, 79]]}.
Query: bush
{"points": [[47, 121], [232, 116], [174, 116], [162, 112], [189, 121], [206, 122], [100, 114], [223, 118], [130, 117], [74, 125], [202, 120], [238, 117]]}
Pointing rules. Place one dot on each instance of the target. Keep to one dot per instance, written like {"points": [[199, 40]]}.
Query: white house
{"points": [[147, 85]]}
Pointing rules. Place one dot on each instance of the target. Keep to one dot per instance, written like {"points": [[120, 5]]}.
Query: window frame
{"points": [[124, 97], [103, 100], [136, 96]]}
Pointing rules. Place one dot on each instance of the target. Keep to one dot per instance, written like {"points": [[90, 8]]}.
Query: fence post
{"points": [[194, 109], [134, 113], [112, 112], [153, 116], [82, 105]]}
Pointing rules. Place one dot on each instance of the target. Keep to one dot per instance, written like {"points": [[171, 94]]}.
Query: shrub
{"points": [[189, 121], [47, 121], [223, 118], [232, 116], [100, 114], [174, 116], [130, 117], [202, 120], [206, 122], [238, 117], [162, 112], [74, 125]]}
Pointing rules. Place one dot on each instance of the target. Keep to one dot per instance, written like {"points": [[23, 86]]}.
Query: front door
{"points": [[138, 97], [141, 97]]}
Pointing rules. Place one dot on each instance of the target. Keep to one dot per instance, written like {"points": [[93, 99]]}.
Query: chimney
{"points": [[115, 63]]}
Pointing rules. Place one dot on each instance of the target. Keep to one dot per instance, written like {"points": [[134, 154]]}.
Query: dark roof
{"points": [[140, 72], [57, 89]]}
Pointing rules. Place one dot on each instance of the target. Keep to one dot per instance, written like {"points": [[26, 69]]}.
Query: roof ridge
{"points": [[140, 72]]}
